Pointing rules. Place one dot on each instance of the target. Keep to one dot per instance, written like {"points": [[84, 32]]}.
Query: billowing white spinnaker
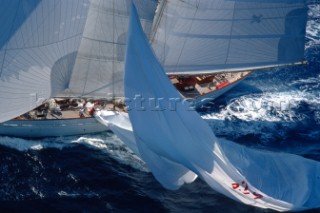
{"points": [[177, 144], [119, 123], [256, 168]]}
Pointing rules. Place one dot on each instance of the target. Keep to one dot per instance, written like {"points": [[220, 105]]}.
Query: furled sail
{"points": [[37, 38], [177, 144], [98, 70], [208, 36]]}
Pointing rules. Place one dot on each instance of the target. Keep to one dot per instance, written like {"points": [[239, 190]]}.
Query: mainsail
{"points": [[36, 37], [178, 145], [70, 48], [229, 35]]}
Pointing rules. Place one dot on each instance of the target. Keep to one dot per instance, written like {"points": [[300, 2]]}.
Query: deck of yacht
{"points": [[188, 86], [69, 113], [194, 86]]}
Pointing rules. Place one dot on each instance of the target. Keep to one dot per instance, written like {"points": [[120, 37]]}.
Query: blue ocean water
{"points": [[277, 109]]}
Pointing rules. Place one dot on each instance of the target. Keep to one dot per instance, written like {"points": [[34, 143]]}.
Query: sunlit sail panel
{"points": [[98, 71], [228, 35], [34, 36]]}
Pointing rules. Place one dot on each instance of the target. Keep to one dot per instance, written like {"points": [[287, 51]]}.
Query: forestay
{"points": [[210, 36], [178, 145]]}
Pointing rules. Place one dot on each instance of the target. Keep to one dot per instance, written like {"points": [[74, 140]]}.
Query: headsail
{"points": [[177, 144], [98, 70], [229, 35]]}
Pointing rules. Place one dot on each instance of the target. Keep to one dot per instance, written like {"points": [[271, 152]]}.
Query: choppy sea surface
{"points": [[278, 109]]}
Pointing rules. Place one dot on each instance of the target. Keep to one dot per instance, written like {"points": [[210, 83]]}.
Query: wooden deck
{"points": [[195, 86], [70, 113]]}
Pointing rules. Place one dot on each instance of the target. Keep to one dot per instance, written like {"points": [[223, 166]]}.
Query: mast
{"points": [[157, 18], [113, 49]]}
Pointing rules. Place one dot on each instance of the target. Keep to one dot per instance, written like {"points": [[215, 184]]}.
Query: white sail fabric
{"points": [[178, 144], [98, 71], [37, 37], [118, 123], [62, 48], [209, 36]]}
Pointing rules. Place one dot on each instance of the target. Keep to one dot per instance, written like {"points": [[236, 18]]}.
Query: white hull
{"points": [[78, 126], [50, 128]]}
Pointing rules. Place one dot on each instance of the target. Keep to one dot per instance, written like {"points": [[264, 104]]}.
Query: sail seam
{"points": [[230, 34], [157, 21], [185, 40], [88, 64], [44, 45]]}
